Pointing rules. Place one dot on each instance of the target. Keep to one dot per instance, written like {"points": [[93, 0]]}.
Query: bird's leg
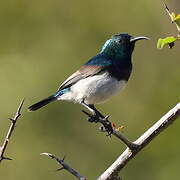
{"points": [[98, 117], [88, 107], [96, 114]]}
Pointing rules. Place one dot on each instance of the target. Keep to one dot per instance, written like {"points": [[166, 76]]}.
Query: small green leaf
{"points": [[177, 21], [166, 41], [174, 18]]}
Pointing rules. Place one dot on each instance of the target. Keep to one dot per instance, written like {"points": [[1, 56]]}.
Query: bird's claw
{"points": [[106, 124], [91, 118]]}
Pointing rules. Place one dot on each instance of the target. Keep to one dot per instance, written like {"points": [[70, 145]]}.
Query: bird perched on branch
{"points": [[101, 77]]}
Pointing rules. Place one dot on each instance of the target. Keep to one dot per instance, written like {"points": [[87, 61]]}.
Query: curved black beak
{"points": [[134, 39]]}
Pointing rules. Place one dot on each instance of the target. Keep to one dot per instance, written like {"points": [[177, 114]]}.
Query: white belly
{"points": [[94, 90]]}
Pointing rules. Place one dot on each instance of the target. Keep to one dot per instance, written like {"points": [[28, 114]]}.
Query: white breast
{"points": [[95, 89]]}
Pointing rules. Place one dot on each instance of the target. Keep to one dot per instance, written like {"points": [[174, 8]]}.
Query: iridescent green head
{"points": [[120, 46]]}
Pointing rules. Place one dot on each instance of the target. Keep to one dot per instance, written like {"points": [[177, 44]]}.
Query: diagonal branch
{"points": [[108, 127], [112, 172], [10, 131], [65, 166]]}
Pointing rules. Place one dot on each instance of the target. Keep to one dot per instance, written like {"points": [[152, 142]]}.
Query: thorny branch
{"points": [[112, 172], [107, 127], [10, 131], [65, 166]]}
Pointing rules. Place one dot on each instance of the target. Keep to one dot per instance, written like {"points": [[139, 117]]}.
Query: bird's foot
{"points": [[98, 117], [106, 126], [92, 117]]}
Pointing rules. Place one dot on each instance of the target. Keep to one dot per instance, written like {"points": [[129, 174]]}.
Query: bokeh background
{"points": [[42, 43]]}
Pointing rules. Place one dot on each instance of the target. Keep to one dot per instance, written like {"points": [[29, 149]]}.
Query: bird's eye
{"points": [[120, 41]]}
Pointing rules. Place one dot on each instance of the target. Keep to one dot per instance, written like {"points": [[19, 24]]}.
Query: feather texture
{"points": [[42, 103], [92, 67]]}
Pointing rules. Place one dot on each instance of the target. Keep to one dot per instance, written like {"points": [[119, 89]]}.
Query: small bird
{"points": [[102, 77]]}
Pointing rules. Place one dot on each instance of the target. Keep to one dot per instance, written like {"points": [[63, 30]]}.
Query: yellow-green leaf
{"points": [[177, 21], [166, 41], [177, 18]]}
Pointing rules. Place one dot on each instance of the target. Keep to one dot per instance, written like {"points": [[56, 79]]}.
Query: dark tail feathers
{"points": [[42, 103]]}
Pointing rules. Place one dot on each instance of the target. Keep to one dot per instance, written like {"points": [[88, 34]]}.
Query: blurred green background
{"points": [[42, 43]]}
